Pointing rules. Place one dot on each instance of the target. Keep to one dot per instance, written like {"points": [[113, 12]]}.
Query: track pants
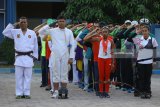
{"points": [[104, 66]]}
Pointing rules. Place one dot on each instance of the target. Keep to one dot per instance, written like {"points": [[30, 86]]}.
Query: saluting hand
{"points": [[15, 24]]}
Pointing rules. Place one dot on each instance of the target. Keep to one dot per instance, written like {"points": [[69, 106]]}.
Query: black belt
{"points": [[156, 59], [144, 59], [26, 53]]}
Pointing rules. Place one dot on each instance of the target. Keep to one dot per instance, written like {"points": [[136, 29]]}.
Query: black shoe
{"points": [[101, 95], [106, 95], [136, 94], [143, 96], [148, 95], [19, 97], [63, 93], [27, 97], [97, 93], [42, 85], [48, 88], [23, 96]]}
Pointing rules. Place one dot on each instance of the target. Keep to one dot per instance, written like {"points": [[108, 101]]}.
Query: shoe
{"points": [[143, 96], [106, 95], [80, 85], [124, 89], [97, 93], [136, 94], [129, 91], [90, 90], [148, 95], [42, 85], [27, 96], [48, 88], [63, 93], [132, 90], [23, 96], [75, 83], [51, 91], [55, 94], [101, 95], [118, 87], [19, 97], [85, 88], [110, 86]]}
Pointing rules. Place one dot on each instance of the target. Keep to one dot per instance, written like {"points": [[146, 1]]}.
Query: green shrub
{"points": [[7, 51]]}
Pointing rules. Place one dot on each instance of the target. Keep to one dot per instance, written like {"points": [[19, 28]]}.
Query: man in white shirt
{"points": [[26, 50], [62, 53]]}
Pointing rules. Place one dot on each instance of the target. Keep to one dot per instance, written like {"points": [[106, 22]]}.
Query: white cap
{"points": [[134, 22], [127, 21], [144, 20]]}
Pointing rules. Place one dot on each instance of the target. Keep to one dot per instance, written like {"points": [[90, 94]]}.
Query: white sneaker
{"points": [[51, 91], [55, 94], [85, 88]]}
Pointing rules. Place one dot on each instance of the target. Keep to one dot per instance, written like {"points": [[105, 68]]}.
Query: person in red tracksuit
{"points": [[105, 62]]}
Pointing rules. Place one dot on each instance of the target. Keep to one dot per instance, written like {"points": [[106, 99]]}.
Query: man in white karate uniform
{"points": [[26, 50], [62, 53]]}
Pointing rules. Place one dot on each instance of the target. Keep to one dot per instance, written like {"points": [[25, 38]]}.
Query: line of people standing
{"points": [[96, 51]]}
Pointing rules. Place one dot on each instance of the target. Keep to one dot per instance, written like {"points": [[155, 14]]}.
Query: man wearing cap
{"points": [[127, 22], [129, 54], [120, 46], [26, 50], [143, 22]]}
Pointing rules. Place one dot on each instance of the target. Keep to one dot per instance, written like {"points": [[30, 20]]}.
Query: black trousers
{"points": [[129, 73], [126, 72], [90, 71], [118, 72], [44, 71], [144, 74], [70, 74]]}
